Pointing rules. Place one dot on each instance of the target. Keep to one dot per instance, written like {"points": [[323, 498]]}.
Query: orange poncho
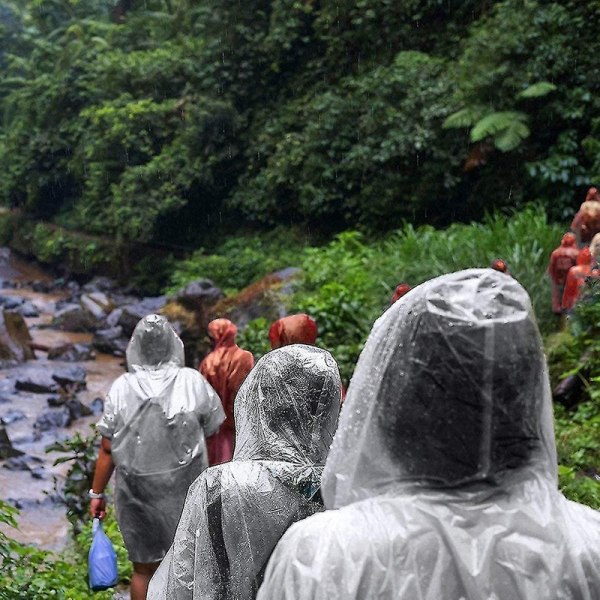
{"points": [[294, 329], [576, 278], [225, 368]]}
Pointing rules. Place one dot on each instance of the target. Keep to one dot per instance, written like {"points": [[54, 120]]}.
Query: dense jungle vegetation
{"points": [[366, 142]]}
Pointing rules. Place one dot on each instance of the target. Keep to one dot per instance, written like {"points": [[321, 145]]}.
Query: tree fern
{"points": [[462, 118], [507, 129], [537, 90]]}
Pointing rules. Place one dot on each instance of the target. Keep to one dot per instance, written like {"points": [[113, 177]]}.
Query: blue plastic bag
{"points": [[102, 560]]}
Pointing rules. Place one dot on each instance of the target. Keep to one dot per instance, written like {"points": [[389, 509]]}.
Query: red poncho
{"points": [[225, 368], [294, 329], [561, 260], [576, 279]]}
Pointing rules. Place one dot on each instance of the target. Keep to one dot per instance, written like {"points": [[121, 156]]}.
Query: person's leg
{"points": [[142, 573]]}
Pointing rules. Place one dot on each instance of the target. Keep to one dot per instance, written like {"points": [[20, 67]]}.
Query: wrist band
{"points": [[95, 495]]}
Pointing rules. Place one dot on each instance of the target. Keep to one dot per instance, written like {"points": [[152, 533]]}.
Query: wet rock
{"points": [[12, 416], [269, 298], [25, 462], [72, 352], [38, 381], [114, 317], [199, 295], [7, 386], [10, 302], [38, 472], [74, 317], [100, 284], [28, 309], [70, 377], [97, 406], [77, 409], [53, 419], [95, 311], [6, 447], [110, 341], [15, 339], [133, 313], [56, 400]]}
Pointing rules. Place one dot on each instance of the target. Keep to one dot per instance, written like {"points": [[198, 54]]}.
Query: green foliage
{"points": [[508, 129], [240, 260], [28, 572], [255, 337], [81, 453]]}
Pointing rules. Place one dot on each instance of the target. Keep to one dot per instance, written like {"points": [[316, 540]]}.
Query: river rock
{"points": [[53, 419], [199, 295], [269, 298], [74, 317], [77, 409], [97, 406], [28, 309], [133, 313], [96, 311], [56, 400], [114, 317], [15, 339], [68, 377], [24, 462], [71, 352], [110, 341], [99, 284], [12, 416], [38, 381], [10, 302], [6, 447]]}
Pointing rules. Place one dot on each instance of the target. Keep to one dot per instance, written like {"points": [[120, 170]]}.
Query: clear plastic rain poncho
{"points": [[444, 466], [157, 416], [285, 415]]}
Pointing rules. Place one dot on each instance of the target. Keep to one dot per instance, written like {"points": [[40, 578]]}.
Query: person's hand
{"points": [[98, 508]]}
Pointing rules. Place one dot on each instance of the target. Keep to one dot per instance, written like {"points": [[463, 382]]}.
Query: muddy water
{"points": [[42, 521]]}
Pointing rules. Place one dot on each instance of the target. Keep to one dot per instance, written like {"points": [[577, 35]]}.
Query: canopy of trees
{"points": [[171, 119]]}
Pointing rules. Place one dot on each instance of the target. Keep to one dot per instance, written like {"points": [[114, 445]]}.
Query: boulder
{"points": [[53, 419], [269, 298], [70, 377], [133, 313], [110, 341], [73, 317], [97, 406], [77, 409], [10, 302], [15, 339], [95, 311], [12, 416], [28, 309], [99, 284], [199, 295], [114, 317], [71, 352], [23, 462], [37, 381], [6, 447]]}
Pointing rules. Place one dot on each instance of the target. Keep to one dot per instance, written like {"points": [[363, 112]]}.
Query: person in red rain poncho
{"points": [[499, 265], [293, 329], [561, 260], [225, 368], [401, 289], [576, 278], [586, 223]]}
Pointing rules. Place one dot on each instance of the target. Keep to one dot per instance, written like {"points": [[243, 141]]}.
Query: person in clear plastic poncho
{"points": [[285, 415], [443, 467], [153, 430]]}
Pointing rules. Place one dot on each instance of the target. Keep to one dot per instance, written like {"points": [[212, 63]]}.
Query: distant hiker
{"points": [[400, 290], [561, 260], [586, 223], [576, 278], [293, 329], [225, 368], [155, 421]]}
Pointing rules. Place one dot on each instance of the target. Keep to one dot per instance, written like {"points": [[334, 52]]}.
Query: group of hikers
{"points": [[437, 480], [578, 255]]}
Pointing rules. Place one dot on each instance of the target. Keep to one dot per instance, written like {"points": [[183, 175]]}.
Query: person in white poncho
{"points": [[153, 430], [443, 469]]}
